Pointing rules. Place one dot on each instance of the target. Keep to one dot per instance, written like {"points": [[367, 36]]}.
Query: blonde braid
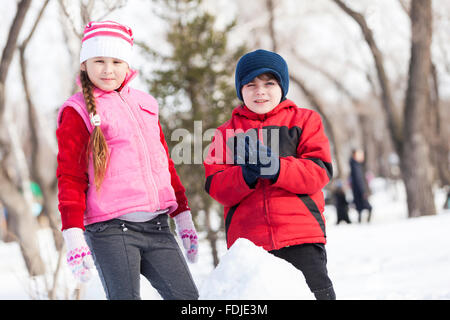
{"points": [[97, 141]]}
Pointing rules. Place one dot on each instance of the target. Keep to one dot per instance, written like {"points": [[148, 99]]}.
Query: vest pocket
{"points": [[149, 115], [153, 110]]}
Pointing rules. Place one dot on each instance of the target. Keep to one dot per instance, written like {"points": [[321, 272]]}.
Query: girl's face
{"points": [[262, 94], [105, 73]]}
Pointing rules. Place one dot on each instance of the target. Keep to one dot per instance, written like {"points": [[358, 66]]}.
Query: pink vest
{"points": [[137, 177]]}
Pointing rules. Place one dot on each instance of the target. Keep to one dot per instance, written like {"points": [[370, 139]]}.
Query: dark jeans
{"points": [[311, 260], [123, 250]]}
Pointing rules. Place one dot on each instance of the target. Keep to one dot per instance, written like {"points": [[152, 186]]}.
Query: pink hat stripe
{"points": [[112, 26], [120, 30], [108, 34], [108, 26]]}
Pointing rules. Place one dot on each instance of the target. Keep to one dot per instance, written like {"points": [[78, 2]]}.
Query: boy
{"points": [[267, 166]]}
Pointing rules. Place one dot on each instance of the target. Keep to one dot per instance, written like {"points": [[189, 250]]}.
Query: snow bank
{"points": [[406, 259], [393, 257], [248, 272]]}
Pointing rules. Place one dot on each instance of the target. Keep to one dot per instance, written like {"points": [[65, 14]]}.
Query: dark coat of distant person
{"points": [[359, 187]]}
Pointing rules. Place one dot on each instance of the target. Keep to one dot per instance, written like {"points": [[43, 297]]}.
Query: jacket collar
{"points": [[244, 111], [99, 92]]}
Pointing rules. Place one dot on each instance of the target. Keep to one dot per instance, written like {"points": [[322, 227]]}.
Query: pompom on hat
{"points": [[107, 39], [258, 62]]}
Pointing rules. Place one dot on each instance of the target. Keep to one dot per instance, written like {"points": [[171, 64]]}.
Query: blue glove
{"points": [[256, 160]]}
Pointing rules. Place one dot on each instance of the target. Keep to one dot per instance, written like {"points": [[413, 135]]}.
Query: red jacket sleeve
{"points": [[73, 138], [180, 191], [311, 169], [224, 182]]}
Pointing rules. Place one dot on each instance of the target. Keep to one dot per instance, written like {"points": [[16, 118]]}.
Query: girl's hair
{"points": [[97, 142]]}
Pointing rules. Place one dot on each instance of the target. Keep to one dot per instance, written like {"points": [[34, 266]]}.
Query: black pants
{"points": [[342, 215], [123, 250], [311, 260]]}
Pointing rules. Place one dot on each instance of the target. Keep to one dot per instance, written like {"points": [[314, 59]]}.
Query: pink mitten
{"points": [[78, 256], [186, 231]]}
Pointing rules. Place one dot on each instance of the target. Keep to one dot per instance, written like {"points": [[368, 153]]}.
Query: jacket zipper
{"points": [[266, 213], [266, 207], [146, 156]]}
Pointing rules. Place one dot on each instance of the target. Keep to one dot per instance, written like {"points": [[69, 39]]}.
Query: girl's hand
{"points": [[186, 231], [78, 256]]}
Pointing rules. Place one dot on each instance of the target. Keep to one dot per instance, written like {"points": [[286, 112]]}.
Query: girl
{"points": [[116, 180]]}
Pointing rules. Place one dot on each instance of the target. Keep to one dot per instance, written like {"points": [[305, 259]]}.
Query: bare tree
{"points": [[415, 160], [392, 113], [15, 171], [21, 222], [43, 146], [88, 10], [309, 94], [407, 132], [376, 148], [438, 132], [271, 10]]}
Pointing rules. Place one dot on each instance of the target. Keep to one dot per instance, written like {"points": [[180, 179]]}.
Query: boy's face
{"points": [[262, 94], [105, 73]]}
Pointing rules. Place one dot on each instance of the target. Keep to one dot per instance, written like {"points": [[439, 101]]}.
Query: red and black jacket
{"points": [[273, 214]]}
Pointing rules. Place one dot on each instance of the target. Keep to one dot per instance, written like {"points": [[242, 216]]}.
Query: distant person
{"points": [[359, 184], [3, 225], [447, 201], [341, 203]]}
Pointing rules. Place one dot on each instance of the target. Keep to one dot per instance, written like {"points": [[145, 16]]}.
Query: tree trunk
{"points": [[417, 171], [392, 114], [439, 133], [271, 10], [22, 226], [21, 222], [312, 98], [43, 149], [408, 134], [212, 237]]}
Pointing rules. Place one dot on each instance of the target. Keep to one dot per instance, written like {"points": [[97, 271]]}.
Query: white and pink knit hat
{"points": [[107, 39]]}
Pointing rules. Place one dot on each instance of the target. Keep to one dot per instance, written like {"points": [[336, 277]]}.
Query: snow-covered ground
{"points": [[391, 258]]}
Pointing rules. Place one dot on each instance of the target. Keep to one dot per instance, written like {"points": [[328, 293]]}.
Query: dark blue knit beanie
{"points": [[258, 62]]}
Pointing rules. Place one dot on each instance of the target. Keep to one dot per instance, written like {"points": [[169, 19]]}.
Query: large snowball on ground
{"points": [[248, 272]]}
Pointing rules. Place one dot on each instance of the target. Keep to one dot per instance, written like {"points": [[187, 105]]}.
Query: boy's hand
{"points": [[245, 150], [256, 160], [269, 162]]}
